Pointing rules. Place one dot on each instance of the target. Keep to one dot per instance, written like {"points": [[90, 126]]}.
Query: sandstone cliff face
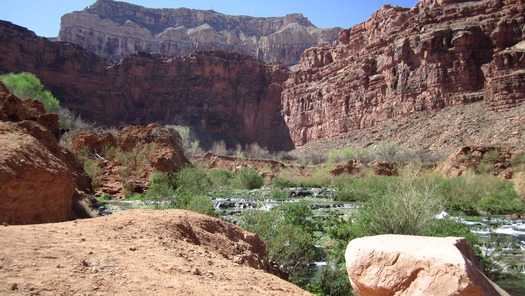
{"points": [[116, 29], [401, 61], [39, 181], [216, 93]]}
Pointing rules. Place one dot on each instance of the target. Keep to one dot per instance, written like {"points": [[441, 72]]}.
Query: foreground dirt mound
{"points": [[138, 252]]}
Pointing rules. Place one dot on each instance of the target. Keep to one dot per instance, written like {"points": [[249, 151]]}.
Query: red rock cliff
{"points": [[226, 94], [115, 29], [439, 53]]}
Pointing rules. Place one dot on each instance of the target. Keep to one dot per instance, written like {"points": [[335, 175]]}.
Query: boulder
{"points": [[414, 265]]}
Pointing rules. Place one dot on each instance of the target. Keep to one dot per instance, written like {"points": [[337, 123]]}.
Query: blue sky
{"points": [[43, 17]]}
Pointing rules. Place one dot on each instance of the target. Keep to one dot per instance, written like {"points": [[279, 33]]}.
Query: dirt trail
{"points": [[137, 252]]}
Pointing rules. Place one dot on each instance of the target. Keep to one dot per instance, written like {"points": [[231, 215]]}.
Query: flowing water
{"points": [[503, 238]]}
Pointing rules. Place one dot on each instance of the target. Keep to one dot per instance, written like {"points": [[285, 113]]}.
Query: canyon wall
{"points": [[116, 29], [402, 61], [229, 95]]}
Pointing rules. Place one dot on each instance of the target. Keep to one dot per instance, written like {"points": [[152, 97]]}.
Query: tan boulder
{"points": [[414, 265]]}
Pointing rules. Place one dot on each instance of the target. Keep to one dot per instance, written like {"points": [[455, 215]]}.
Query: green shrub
{"points": [[334, 282], [361, 189], [279, 193], [26, 85], [492, 156], [161, 187], [287, 232], [339, 155], [518, 159], [92, 169], [201, 204], [474, 194], [247, 178], [221, 179], [405, 208], [193, 180], [283, 183]]}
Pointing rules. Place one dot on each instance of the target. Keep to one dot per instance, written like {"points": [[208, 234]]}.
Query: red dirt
{"points": [[137, 252]]}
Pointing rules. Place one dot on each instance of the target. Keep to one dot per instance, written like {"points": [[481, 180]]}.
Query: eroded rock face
{"points": [[115, 29], [401, 61], [230, 95], [128, 157], [39, 181], [412, 265], [498, 159]]}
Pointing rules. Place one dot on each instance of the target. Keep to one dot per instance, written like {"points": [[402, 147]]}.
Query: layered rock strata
{"points": [[230, 95], [116, 29], [402, 61]]}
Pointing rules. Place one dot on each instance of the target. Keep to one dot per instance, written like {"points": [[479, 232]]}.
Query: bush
{"points": [[221, 179], [190, 144], [283, 183], [475, 194], [201, 204], [193, 181], [339, 155], [26, 85], [287, 232], [247, 178], [161, 187], [219, 148], [279, 193], [361, 189]]}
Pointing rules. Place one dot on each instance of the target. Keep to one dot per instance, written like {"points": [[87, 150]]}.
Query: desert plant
{"points": [[162, 187], [221, 179], [288, 238], [255, 151], [201, 204], [492, 155], [279, 193], [410, 204], [193, 181], [26, 85], [92, 169], [219, 148], [247, 178], [189, 142], [339, 155], [283, 183]]}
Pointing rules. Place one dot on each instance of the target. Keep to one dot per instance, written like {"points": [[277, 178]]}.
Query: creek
{"points": [[503, 237]]}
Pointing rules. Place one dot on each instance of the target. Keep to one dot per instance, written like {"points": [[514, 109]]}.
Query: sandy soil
{"points": [[137, 252]]}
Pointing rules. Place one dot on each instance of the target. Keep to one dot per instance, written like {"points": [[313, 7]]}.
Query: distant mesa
{"points": [[116, 29]]}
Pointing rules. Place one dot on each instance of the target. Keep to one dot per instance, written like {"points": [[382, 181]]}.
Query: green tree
{"points": [[288, 234], [247, 178], [26, 85]]}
